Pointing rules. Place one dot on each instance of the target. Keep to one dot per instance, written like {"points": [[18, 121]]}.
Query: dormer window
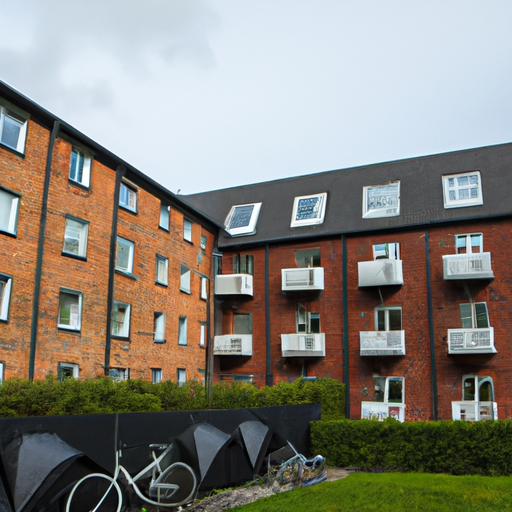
{"points": [[381, 200], [309, 210], [242, 219], [462, 190]]}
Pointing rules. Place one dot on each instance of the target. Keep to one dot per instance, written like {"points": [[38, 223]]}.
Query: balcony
{"points": [[382, 410], [232, 345], [302, 279], [468, 266], [474, 411], [471, 341], [233, 284], [380, 272], [382, 343], [303, 345]]}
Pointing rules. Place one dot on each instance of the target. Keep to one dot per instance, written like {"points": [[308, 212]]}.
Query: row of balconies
{"points": [[379, 272]]}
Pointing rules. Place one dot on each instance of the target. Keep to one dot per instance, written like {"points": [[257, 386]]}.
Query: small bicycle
{"points": [[170, 485]]}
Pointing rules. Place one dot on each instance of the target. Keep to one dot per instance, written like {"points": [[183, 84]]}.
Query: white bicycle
{"points": [[170, 485]]}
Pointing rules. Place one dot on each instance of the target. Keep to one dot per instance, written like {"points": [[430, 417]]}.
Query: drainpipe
{"points": [[269, 377], [346, 378], [120, 172], [433, 370], [40, 252]]}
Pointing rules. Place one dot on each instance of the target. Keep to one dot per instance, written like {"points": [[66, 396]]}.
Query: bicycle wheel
{"points": [[177, 485], [95, 493]]}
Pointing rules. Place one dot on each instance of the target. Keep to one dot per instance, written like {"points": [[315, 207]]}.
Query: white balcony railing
{"points": [[474, 411], [303, 345], [468, 266], [382, 410], [233, 284], [232, 345], [471, 341], [382, 343], [302, 279], [380, 272]]}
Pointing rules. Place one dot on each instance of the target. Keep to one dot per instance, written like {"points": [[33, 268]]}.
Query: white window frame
{"points": [[119, 374], [80, 167], [75, 310], [385, 381], [474, 315], [187, 230], [453, 188], [9, 210], [202, 334], [131, 249], [309, 210], [124, 331], [128, 197], [75, 234], [386, 310], [156, 375], [381, 200], [242, 219], [75, 370], [2, 372], [182, 330], [181, 376], [203, 294], [5, 296], [390, 251], [305, 319], [159, 330], [478, 381], [162, 270], [10, 114], [165, 215], [185, 274], [466, 241]]}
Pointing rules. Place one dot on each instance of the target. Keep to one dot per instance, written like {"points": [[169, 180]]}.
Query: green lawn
{"points": [[397, 492]]}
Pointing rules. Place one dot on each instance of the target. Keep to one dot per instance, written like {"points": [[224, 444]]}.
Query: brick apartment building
{"points": [[102, 270], [393, 278]]}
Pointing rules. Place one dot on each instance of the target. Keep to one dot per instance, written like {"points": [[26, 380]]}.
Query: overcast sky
{"points": [[208, 94]]}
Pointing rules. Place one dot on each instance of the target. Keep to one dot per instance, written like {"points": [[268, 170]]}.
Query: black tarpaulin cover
{"points": [[255, 437], [33, 463]]}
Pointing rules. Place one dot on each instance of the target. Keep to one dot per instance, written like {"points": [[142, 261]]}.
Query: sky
{"points": [[209, 94]]}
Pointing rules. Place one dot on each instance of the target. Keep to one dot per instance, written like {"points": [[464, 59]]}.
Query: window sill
{"points": [[181, 344], [163, 229], [126, 209], [127, 274], [120, 338], [8, 233], [159, 342], [164, 285], [11, 150], [79, 185], [185, 291], [188, 241], [73, 256], [68, 329]]}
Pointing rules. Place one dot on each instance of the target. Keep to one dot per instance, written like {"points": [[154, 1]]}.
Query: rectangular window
{"points": [[182, 330], [119, 374], [243, 264], [204, 241], [13, 129], [307, 259], [187, 230], [67, 371], [381, 200], [128, 197], [164, 217], [181, 376], [468, 244], [70, 310], [2, 370], [184, 278], [388, 319], [162, 270], [242, 323], [75, 237], [462, 190], [474, 315], [80, 167], [156, 375], [204, 288], [389, 389], [5, 296], [159, 332], [308, 323], [388, 251], [124, 257], [309, 210], [121, 319], [202, 335], [9, 205]]}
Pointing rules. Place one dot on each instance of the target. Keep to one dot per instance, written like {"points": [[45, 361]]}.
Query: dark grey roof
{"points": [[421, 194]]}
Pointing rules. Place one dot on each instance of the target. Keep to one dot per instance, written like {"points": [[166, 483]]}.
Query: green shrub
{"points": [[454, 447]]}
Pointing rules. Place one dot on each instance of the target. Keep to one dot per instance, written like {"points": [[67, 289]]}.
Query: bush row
{"points": [[453, 447], [21, 398]]}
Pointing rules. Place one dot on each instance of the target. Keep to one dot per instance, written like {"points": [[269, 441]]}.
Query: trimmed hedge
{"points": [[453, 447], [50, 397]]}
